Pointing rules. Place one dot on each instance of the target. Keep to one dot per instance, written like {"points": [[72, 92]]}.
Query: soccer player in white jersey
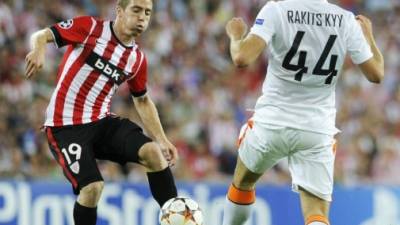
{"points": [[80, 128], [307, 42]]}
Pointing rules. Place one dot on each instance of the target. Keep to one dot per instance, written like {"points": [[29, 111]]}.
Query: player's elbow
{"points": [[240, 61], [42, 36], [377, 76], [373, 70], [141, 100], [378, 79]]}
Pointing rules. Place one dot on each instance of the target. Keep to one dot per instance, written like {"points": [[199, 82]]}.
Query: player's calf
{"points": [[85, 209], [315, 209], [161, 181], [238, 206], [241, 196]]}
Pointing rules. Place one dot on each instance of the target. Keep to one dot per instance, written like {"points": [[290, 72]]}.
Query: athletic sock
{"points": [[162, 185], [84, 215], [317, 220], [238, 206]]}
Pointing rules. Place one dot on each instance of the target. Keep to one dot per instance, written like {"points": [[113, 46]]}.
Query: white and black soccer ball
{"points": [[181, 211]]}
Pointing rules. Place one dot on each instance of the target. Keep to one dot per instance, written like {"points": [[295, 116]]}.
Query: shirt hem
{"points": [[326, 131], [51, 122]]}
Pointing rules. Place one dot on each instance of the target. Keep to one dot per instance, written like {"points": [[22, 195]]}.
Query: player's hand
{"points": [[169, 151], [34, 62], [236, 28], [366, 26]]}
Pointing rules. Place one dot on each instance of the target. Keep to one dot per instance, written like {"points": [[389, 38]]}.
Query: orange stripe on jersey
{"points": [[317, 218], [241, 197]]}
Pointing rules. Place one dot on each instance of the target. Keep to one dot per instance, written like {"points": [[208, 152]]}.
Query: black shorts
{"points": [[76, 147]]}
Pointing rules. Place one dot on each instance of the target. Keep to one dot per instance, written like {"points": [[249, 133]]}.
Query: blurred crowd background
{"points": [[202, 99]]}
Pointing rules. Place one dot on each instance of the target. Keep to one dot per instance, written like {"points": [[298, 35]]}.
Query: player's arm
{"points": [[373, 68], [149, 116], [246, 50], [35, 58]]}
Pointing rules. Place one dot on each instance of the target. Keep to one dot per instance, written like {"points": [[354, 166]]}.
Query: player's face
{"points": [[136, 16]]}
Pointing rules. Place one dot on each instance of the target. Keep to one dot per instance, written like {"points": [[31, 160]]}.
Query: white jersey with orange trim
{"points": [[307, 44]]}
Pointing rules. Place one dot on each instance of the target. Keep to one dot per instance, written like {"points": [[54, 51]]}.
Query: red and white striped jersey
{"points": [[92, 68]]}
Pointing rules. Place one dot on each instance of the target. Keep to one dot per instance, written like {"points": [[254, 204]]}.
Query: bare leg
{"points": [[161, 181], [90, 194], [315, 210], [241, 195], [243, 178], [85, 209]]}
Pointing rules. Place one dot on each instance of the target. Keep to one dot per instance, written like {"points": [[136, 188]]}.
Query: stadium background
{"points": [[203, 100]]}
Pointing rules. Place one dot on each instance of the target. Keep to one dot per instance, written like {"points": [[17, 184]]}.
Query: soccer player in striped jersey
{"points": [[80, 128], [307, 41]]}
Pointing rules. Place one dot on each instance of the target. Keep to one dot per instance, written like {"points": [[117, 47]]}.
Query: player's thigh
{"points": [[260, 147], [312, 166], [72, 147], [122, 141]]}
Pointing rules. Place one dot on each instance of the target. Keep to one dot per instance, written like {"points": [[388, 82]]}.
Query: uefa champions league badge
{"points": [[66, 24], [259, 21]]}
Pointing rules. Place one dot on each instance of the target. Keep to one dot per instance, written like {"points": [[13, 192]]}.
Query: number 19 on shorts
{"points": [[72, 154]]}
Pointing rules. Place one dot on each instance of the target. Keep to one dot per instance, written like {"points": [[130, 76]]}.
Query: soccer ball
{"points": [[181, 211]]}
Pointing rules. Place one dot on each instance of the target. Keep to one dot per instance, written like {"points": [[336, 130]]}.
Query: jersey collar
{"points": [[116, 38]]}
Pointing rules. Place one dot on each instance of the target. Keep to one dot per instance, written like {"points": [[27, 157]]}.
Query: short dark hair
{"points": [[123, 3]]}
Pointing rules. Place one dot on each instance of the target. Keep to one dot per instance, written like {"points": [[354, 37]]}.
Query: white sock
{"points": [[235, 214], [317, 223]]}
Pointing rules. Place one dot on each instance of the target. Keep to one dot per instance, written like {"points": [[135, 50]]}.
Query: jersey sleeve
{"points": [[137, 85], [264, 24], [357, 45], [72, 31]]}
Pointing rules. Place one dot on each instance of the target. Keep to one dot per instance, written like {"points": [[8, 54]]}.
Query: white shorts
{"points": [[310, 155]]}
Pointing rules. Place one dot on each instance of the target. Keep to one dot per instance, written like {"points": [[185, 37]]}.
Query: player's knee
{"points": [[93, 189], [90, 194], [152, 157]]}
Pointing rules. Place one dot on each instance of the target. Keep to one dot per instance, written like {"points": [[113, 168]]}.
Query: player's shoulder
{"points": [[348, 16], [140, 51], [271, 5], [341, 10], [85, 19], [270, 8], [325, 6]]}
